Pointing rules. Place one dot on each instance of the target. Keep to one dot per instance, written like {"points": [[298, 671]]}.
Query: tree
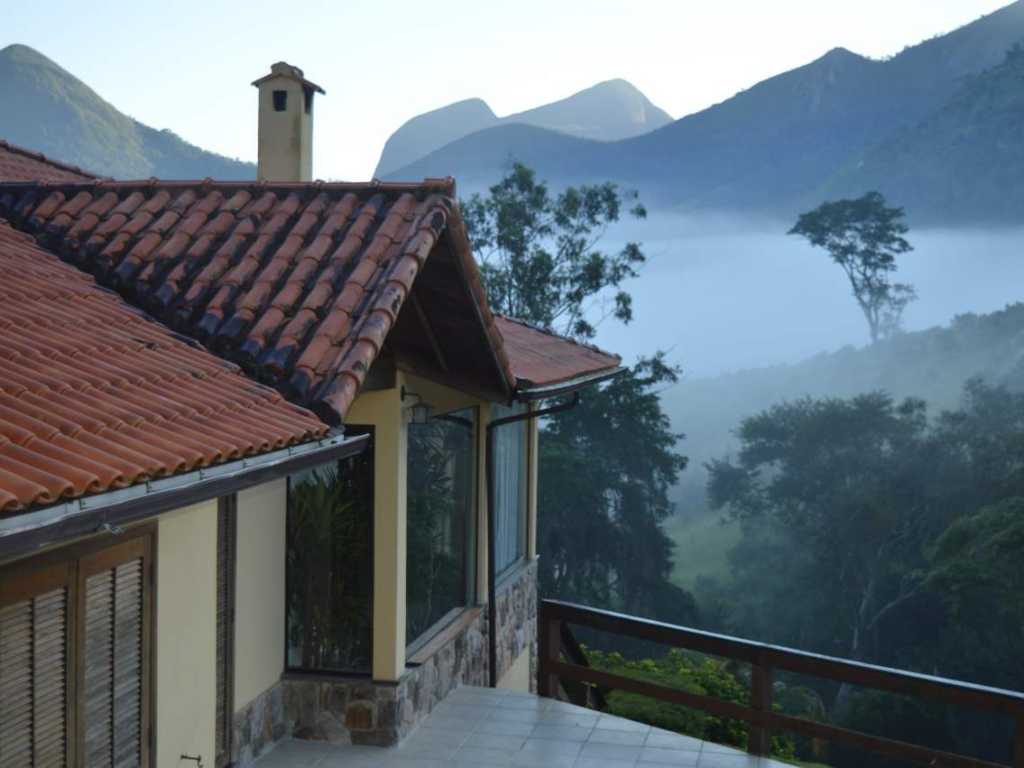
{"points": [[844, 486], [600, 521], [864, 237], [540, 255], [978, 572], [874, 532], [607, 465]]}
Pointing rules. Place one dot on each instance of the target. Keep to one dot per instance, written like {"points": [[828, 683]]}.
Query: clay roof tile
{"points": [[95, 395], [299, 283]]}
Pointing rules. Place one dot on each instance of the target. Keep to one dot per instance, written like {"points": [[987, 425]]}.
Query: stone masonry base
{"points": [[360, 711]]}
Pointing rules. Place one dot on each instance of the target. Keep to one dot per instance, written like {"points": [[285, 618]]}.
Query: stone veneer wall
{"points": [[360, 711], [517, 620]]}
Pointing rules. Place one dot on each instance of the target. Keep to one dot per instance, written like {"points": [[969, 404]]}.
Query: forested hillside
{"points": [[964, 161], [866, 504], [59, 115], [931, 364]]}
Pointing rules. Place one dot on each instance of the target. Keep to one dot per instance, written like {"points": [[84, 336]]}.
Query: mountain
{"points": [[608, 111], [771, 148], [964, 161], [424, 133], [59, 115]]}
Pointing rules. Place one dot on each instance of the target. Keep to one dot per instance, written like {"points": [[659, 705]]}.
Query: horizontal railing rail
{"points": [[555, 618]]}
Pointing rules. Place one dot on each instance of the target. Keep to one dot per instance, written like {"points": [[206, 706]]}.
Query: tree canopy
{"points": [[864, 236], [541, 254], [607, 465], [871, 530]]}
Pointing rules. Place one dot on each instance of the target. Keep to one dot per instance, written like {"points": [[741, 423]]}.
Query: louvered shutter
{"points": [[33, 669], [226, 537], [74, 641], [113, 587]]}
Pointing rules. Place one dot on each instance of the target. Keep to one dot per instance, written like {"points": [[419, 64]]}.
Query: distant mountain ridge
{"points": [[608, 111], [776, 147], [965, 160], [59, 115]]}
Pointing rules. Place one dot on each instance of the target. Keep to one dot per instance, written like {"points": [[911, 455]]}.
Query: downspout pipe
{"points": [[492, 602]]}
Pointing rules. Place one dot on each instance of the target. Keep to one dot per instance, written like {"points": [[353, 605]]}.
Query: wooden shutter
{"points": [[34, 619], [226, 548], [74, 669], [113, 653]]}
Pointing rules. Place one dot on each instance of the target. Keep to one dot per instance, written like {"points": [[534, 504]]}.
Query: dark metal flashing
{"points": [[24, 534], [544, 391]]}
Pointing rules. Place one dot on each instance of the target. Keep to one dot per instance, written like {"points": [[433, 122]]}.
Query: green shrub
{"points": [[687, 672]]}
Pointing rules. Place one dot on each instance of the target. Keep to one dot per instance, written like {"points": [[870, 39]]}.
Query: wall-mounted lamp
{"points": [[420, 412]]}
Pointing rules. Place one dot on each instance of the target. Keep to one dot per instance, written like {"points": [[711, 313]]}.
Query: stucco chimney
{"points": [[285, 124]]}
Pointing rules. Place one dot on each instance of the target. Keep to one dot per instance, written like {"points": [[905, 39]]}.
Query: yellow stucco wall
{"points": [[383, 410], [517, 677], [186, 624], [260, 589], [285, 139]]}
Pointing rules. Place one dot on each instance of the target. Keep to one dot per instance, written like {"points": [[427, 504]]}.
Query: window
{"points": [[441, 506], [280, 101], [510, 489], [74, 657], [329, 567]]}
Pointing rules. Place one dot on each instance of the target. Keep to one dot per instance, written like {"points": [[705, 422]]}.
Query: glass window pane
{"points": [[510, 468], [440, 509], [330, 566]]}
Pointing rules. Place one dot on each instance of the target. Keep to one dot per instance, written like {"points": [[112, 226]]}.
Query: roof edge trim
{"points": [[544, 391], [29, 531]]}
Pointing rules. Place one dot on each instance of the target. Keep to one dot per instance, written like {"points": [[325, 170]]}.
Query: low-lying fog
{"points": [[722, 294]]}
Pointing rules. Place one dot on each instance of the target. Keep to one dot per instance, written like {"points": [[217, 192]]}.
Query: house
{"points": [[268, 461]]}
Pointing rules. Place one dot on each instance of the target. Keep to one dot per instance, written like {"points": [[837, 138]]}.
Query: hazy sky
{"points": [[187, 65]]}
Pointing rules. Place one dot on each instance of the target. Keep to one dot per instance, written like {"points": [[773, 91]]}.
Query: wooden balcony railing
{"points": [[554, 622]]}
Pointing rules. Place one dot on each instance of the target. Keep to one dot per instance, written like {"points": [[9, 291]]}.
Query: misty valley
{"points": [[711, 422], [725, 293], [765, 329]]}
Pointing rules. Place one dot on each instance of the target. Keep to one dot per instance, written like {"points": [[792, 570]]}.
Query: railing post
{"points": [[759, 737], [549, 648]]}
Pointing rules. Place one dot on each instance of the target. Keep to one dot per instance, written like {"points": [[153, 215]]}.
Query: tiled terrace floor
{"points": [[486, 727]]}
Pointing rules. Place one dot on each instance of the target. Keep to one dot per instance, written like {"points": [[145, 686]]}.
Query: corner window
{"points": [[510, 488], [329, 566], [280, 101], [441, 504]]}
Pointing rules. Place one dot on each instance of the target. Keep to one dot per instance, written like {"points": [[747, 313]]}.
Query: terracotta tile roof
{"points": [[298, 283], [18, 164], [540, 358], [95, 395]]}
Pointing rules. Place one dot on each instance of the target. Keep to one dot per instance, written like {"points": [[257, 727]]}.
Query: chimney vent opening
{"points": [[280, 101], [308, 93]]}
